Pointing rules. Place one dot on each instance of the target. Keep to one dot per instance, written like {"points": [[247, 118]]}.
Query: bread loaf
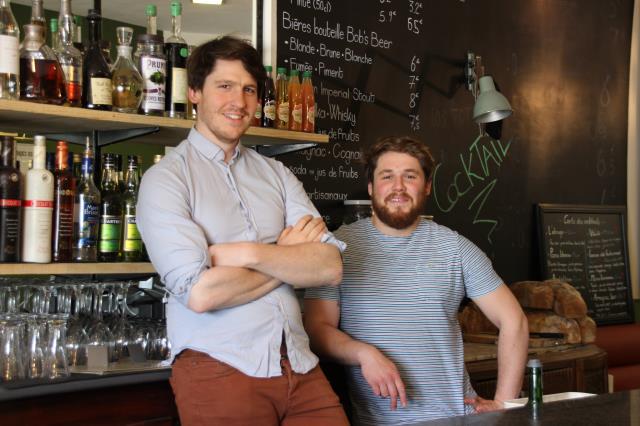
{"points": [[587, 329], [472, 321], [548, 322], [533, 294], [568, 301]]}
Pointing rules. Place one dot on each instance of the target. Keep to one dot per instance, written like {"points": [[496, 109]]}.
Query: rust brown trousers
{"points": [[210, 392]]}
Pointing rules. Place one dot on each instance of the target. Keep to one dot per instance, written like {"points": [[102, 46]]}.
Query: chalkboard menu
{"points": [[396, 67], [586, 246]]}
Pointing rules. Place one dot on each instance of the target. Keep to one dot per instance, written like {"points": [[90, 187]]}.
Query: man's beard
{"points": [[398, 219]]}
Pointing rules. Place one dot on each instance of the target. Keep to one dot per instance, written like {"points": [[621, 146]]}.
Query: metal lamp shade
{"points": [[491, 105]]}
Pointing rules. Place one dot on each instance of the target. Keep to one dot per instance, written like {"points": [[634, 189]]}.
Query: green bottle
{"points": [[131, 241], [110, 212]]}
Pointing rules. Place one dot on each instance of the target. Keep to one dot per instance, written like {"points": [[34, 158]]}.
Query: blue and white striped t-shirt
{"points": [[401, 295]]}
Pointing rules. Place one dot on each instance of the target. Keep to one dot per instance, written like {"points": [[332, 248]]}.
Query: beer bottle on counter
{"points": [[10, 204], [62, 206], [37, 207], [86, 216], [110, 213], [295, 102], [282, 100], [534, 367], [268, 100]]}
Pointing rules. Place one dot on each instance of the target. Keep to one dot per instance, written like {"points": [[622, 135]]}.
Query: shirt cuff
{"points": [[329, 238]]}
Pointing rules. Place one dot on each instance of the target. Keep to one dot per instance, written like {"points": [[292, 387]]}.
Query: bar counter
{"points": [[613, 409]]}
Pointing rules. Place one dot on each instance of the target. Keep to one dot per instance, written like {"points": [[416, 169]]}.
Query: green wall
{"points": [[147, 151]]}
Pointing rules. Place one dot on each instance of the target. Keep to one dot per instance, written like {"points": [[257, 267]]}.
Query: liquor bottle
{"points": [[282, 100], [63, 199], [53, 33], [295, 102], [76, 169], [9, 53], [96, 90], [86, 212], [50, 162], [176, 50], [69, 56], [77, 35], [308, 104], [131, 240], [110, 213], [41, 77], [126, 80], [10, 204], [152, 21], [119, 172], [191, 108], [37, 207], [268, 100], [37, 14], [152, 64]]}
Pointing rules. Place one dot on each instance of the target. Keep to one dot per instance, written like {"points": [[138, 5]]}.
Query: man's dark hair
{"points": [[401, 144], [203, 59]]}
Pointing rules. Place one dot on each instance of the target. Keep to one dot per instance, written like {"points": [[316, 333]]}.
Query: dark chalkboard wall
{"points": [[394, 67], [587, 247]]}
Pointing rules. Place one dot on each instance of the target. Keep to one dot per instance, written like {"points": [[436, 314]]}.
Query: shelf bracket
{"points": [[274, 150]]}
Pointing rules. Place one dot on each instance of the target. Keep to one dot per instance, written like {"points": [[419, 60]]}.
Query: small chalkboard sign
{"points": [[586, 246]]}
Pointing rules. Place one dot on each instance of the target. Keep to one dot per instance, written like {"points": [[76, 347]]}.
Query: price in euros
{"points": [[386, 16], [414, 25], [413, 99], [413, 79], [415, 7], [414, 63], [415, 122]]}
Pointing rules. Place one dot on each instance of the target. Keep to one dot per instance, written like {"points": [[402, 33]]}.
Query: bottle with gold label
{"points": [[176, 51], [96, 90]]}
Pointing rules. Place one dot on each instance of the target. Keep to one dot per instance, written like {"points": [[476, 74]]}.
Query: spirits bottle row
{"points": [[152, 82], [288, 104], [56, 217]]}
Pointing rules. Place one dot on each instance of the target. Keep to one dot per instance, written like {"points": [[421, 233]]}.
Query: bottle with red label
{"points": [[308, 104], [295, 101], [37, 207], [10, 204]]}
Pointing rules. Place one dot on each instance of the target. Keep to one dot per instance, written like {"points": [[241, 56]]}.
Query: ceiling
{"points": [[233, 16]]}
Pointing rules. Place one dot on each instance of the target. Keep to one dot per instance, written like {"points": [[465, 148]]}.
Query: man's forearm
{"points": [[301, 265], [512, 355], [224, 287], [333, 343]]}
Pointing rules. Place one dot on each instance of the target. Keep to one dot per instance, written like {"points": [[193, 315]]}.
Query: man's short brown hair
{"points": [[203, 60], [403, 145]]}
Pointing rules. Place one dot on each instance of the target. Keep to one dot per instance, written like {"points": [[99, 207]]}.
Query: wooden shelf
{"points": [[123, 268], [19, 116]]}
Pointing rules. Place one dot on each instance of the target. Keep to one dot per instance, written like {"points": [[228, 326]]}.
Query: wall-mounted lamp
{"points": [[490, 104]]}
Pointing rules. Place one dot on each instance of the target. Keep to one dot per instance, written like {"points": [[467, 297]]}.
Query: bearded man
{"points": [[393, 320]]}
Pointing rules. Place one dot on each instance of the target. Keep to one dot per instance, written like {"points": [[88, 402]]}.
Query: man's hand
{"points": [[482, 405], [382, 375], [307, 230]]}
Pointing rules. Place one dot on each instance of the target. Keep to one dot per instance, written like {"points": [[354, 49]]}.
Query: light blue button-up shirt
{"points": [[193, 199]]}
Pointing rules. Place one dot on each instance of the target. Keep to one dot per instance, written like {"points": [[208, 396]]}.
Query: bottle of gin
{"points": [[10, 204], [96, 90], [37, 207], [131, 240], [63, 197], [69, 57], [126, 79], [176, 50], [86, 212], [41, 77], [110, 212]]}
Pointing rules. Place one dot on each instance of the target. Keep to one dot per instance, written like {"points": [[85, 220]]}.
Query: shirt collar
{"points": [[209, 149]]}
